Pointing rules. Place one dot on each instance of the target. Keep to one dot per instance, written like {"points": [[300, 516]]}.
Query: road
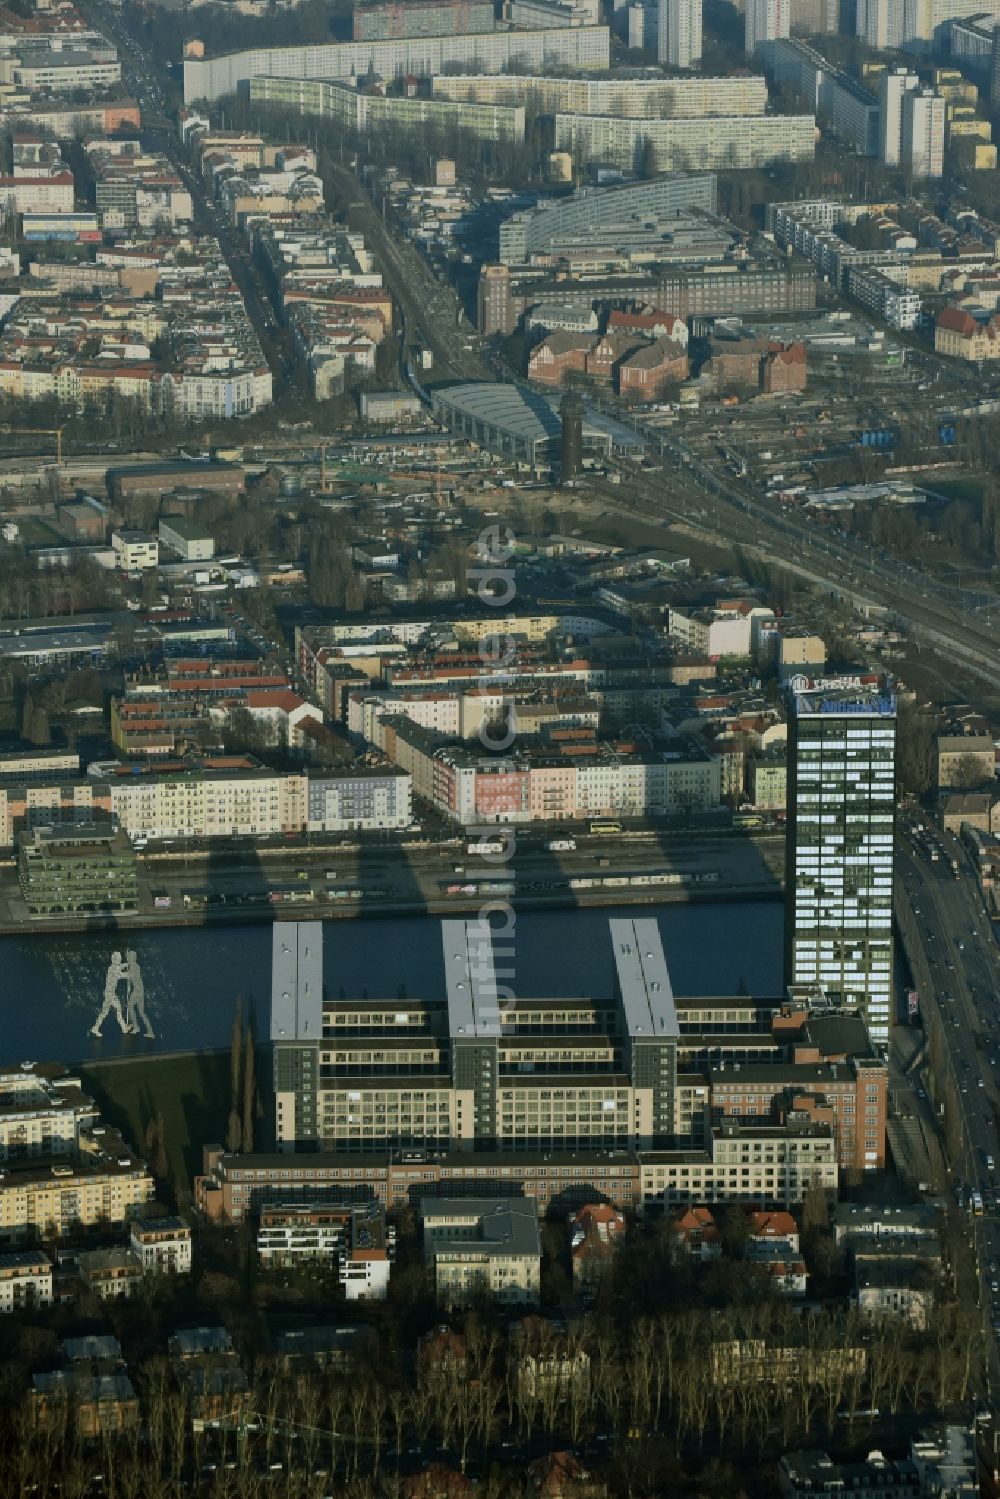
{"points": [[139, 75], [956, 959]]}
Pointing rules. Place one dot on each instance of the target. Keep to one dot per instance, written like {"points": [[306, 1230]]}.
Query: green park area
{"points": [[189, 1092]]}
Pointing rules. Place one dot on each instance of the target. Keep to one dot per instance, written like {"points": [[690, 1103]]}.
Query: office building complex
{"points": [[79, 869], [714, 144], [477, 1072], [765, 21], [556, 225], [724, 290], [573, 47], [841, 762], [679, 33]]}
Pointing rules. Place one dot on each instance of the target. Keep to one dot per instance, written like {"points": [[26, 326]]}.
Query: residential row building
{"points": [[87, 352], [625, 96], [843, 105], [368, 113], [576, 48], [573, 777], [158, 713], [333, 297], [714, 143], [214, 797], [104, 1184]]}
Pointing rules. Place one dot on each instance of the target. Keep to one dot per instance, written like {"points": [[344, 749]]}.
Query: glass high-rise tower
{"points": [[841, 816]]}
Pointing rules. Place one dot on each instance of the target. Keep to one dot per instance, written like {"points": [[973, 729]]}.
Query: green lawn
{"points": [[190, 1091]]}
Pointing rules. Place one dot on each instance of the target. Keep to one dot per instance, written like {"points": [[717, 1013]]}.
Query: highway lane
{"points": [[963, 963]]}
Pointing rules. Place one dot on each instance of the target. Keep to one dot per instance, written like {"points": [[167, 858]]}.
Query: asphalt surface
{"points": [[963, 966]]}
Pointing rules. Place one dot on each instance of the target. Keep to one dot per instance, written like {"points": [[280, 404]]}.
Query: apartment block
{"points": [[161, 1246], [25, 1281], [625, 96], [377, 113], [482, 1247], [576, 48], [380, 20], [43, 1112], [889, 301], [716, 143], [846, 109], [106, 1185]]}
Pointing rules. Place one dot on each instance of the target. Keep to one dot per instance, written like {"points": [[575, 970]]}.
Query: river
{"points": [[53, 986]]}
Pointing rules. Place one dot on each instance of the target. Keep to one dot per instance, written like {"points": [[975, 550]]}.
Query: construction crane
{"points": [[55, 432]]}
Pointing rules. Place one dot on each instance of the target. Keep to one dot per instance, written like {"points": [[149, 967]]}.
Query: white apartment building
{"points": [[576, 48], [40, 1115], [894, 304], [162, 1246], [921, 152], [364, 1275], [679, 34], [895, 84], [205, 395], [765, 21], [134, 551], [717, 143], [629, 98], [42, 192], [25, 1281], [483, 1247], [724, 631], [207, 805]]}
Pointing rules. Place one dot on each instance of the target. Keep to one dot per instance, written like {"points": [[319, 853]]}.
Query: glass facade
{"points": [[840, 848]]}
